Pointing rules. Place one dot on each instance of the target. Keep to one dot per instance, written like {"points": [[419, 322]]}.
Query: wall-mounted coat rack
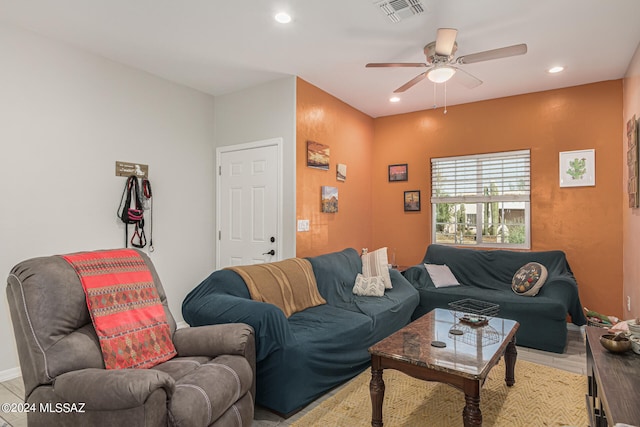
{"points": [[127, 169]]}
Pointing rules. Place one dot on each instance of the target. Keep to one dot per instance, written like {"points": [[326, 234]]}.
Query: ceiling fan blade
{"points": [[411, 83], [466, 79], [445, 41], [395, 64], [503, 52]]}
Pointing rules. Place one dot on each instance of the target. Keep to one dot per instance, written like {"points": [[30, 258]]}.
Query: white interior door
{"points": [[249, 203]]}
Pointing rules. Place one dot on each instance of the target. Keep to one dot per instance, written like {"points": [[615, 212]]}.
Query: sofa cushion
{"points": [[376, 264], [369, 286], [335, 274], [441, 275], [529, 279], [205, 388]]}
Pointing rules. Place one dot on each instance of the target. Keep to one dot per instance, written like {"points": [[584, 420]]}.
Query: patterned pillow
{"points": [[441, 275], [376, 264], [529, 279], [369, 286]]}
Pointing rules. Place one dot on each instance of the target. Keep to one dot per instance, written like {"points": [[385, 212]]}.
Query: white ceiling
{"points": [[224, 46]]}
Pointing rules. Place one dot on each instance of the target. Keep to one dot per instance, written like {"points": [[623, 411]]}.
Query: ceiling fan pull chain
{"points": [[434, 96], [445, 97]]}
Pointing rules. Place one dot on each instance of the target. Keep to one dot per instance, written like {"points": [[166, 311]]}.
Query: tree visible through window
{"points": [[482, 200]]}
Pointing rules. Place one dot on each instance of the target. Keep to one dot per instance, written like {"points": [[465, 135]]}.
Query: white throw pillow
{"points": [[441, 275], [375, 264], [369, 286]]}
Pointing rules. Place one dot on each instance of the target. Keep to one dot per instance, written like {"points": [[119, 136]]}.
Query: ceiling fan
{"points": [[441, 62]]}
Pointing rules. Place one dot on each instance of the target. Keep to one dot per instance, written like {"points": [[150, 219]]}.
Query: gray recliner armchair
{"points": [[211, 381]]}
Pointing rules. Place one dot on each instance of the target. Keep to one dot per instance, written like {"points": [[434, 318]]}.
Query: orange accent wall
{"points": [[322, 118], [585, 222]]}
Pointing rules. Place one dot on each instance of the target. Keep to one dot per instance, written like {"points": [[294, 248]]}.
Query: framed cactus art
{"points": [[577, 168]]}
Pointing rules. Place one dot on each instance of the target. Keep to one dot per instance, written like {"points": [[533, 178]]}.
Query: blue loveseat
{"points": [[301, 357], [486, 275]]}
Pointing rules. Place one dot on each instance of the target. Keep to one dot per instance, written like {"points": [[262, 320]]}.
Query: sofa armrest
{"points": [[215, 340], [109, 390], [271, 327], [417, 275], [564, 289]]}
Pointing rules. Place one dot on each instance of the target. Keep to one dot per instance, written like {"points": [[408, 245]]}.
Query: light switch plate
{"points": [[303, 225]]}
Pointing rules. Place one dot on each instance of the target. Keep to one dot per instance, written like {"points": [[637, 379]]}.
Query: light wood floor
{"points": [[572, 360]]}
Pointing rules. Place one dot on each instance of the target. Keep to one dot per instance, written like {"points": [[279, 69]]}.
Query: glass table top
{"points": [[470, 351]]}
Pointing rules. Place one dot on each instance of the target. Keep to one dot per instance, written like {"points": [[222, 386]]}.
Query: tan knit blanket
{"points": [[290, 284]]}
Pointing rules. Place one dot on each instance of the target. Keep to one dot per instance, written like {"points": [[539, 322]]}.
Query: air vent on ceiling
{"points": [[397, 10]]}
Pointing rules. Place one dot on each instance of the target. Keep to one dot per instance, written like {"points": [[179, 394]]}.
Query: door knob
{"points": [[271, 252]]}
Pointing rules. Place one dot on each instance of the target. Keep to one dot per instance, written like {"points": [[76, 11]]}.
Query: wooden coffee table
{"points": [[464, 363]]}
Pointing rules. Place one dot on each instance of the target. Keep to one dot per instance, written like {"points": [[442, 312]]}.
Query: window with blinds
{"points": [[482, 199]]}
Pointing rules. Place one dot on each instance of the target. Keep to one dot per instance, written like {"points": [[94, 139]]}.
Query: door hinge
{"points": [[219, 234], [220, 170]]}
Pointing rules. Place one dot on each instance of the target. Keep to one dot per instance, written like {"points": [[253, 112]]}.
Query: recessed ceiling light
{"points": [[394, 99], [283, 17], [554, 70]]}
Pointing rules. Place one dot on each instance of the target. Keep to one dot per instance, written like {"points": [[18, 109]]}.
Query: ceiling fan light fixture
{"points": [[394, 99], [441, 74], [282, 17]]}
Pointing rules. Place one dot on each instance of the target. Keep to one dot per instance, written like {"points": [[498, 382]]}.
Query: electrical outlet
{"points": [[628, 303], [303, 225]]}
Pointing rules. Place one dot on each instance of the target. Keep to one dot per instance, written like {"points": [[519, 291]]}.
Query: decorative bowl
{"points": [[620, 345], [635, 344]]}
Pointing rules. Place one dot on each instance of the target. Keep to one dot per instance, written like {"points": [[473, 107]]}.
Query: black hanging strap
{"points": [[132, 215]]}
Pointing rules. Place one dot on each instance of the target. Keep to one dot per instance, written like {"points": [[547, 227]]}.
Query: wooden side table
{"points": [[614, 395]]}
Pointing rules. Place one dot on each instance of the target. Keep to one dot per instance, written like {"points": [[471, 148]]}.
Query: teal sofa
{"points": [[301, 357], [486, 275]]}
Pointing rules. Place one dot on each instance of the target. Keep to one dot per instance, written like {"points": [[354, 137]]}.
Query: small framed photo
{"points": [[329, 202], [398, 172], [578, 168], [412, 201], [341, 172], [317, 155]]}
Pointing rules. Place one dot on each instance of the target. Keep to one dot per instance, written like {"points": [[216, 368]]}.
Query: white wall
{"points": [[263, 112], [66, 116]]}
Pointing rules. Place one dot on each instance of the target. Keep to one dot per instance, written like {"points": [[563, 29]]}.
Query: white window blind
{"points": [[482, 200], [481, 178]]}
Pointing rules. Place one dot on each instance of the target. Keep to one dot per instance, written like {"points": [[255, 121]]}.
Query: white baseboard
{"points": [[9, 374]]}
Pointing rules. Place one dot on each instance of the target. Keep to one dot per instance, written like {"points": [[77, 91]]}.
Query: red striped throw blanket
{"points": [[125, 308]]}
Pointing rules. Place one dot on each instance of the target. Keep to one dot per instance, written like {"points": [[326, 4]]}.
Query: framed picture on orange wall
{"points": [[412, 201], [578, 168], [398, 172]]}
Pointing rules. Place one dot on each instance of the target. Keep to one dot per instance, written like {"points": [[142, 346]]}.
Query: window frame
{"points": [[480, 200]]}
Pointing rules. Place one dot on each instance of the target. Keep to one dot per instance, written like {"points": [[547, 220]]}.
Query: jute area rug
{"points": [[541, 396]]}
